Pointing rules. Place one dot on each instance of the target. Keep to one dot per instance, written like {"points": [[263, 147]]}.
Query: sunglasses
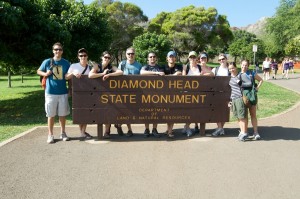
{"points": [[57, 49], [192, 57], [106, 57], [130, 53], [152, 56], [222, 59], [82, 55]]}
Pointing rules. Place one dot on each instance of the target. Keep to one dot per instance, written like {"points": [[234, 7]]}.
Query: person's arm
{"points": [[117, 72], [183, 70], [41, 70], [260, 81]]}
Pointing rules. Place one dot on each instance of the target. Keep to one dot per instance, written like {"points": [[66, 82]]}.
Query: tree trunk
{"points": [[22, 77], [9, 79]]}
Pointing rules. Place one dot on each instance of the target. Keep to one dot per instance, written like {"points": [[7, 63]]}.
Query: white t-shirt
{"points": [[78, 69], [221, 72], [266, 64], [193, 72]]}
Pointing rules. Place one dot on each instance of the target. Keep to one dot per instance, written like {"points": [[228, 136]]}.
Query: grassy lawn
{"points": [[22, 106]]}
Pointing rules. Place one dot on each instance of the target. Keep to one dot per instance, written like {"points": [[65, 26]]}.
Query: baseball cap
{"points": [[203, 55], [171, 53], [193, 53]]}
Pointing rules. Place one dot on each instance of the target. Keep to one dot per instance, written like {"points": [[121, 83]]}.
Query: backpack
{"points": [[217, 69], [43, 79], [188, 68], [250, 94], [123, 64]]}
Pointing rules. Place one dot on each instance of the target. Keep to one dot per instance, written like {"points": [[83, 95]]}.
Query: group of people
{"points": [[271, 64], [58, 70]]}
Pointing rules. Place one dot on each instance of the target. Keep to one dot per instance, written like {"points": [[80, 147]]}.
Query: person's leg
{"points": [[170, 130], [62, 122], [129, 132], [154, 130], [202, 128], [147, 131], [252, 110], [50, 125], [188, 130]]}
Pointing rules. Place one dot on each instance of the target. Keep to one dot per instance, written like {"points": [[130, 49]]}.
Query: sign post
{"points": [[254, 51]]}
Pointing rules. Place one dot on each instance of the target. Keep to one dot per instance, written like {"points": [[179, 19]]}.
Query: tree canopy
{"points": [[193, 28]]}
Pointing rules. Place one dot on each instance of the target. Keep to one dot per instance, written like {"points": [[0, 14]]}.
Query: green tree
{"points": [[125, 19], [242, 46], [151, 42], [193, 28], [283, 27], [292, 48]]}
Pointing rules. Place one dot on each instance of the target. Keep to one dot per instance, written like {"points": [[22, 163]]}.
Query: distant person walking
{"points": [[56, 92], [266, 68], [274, 68]]}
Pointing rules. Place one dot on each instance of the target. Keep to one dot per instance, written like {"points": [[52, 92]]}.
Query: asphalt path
{"points": [[138, 167]]}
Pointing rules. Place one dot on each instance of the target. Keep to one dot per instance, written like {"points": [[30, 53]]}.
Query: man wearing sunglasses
{"points": [[129, 67], [77, 70], [56, 92]]}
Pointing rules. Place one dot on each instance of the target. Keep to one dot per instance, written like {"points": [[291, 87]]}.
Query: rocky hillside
{"points": [[257, 28]]}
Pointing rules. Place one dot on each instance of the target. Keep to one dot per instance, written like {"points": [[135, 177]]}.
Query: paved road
{"points": [[200, 167]]}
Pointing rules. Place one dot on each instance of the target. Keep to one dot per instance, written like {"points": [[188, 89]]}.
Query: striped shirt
{"points": [[235, 88]]}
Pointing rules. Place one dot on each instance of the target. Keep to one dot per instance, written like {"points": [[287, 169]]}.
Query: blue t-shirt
{"points": [[56, 83], [130, 69]]}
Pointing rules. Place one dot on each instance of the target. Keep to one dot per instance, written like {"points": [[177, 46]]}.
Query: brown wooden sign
{"points": [[150, 99]]}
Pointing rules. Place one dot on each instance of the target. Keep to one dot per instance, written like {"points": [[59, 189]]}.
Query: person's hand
{"points": [[160, 73], [48, 73], [105, 77], [229, 104], [77, 75], [105, 71]]}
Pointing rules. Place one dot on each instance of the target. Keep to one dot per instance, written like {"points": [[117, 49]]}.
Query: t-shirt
{"points": [[247, 79], [235, 88], [221, 71], [78, 68], [56, 83], [131, 69], [266, 64], [172, 70], [191, 72], [155, 68]]}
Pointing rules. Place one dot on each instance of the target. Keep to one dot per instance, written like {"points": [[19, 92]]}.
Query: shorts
{"points": [[239, 109], [56, 105], [267, 69]]}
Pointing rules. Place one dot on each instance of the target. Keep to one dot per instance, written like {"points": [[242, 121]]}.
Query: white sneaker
{"points": [[50, 139], [218, 131], [64, 137], [189, 132], [256, 136], [242, 137]]}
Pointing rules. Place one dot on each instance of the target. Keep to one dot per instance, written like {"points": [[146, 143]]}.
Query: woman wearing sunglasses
{"points": [[105, 70]]}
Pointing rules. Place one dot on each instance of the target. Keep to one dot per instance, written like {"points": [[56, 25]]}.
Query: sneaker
{"points": [[155, 133], [189, 132], [119, 129], [218, 131], [256, 136], [64, 137], [50, 139], [184, 130], [196, 129], [129, 133], [106, 135], [242, 137], [146, 133], [86, 136]]}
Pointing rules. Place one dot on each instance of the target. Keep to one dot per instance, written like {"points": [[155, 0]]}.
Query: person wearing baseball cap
{"points": [[171, 68]]}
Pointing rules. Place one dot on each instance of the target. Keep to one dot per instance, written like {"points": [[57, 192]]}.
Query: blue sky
{"points": [[239, 12]]}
